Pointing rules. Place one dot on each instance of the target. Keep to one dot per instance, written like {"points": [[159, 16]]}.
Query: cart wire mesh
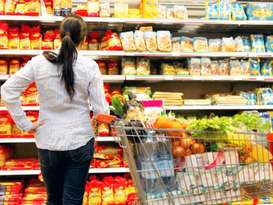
{"points": [[224, 168]]}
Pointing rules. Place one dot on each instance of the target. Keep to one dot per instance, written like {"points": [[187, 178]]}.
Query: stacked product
{"points": [[169, 98]]}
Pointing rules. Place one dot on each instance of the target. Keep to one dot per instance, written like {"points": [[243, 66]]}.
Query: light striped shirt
{"points": [[66, 123]]}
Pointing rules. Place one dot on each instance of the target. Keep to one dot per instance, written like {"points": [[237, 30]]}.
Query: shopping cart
{"points": [[213, 168]]}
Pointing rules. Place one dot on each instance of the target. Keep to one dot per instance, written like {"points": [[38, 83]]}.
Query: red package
{"points": [[57, 40], [48, 42], [4, 35], [93, 40], [13, 37], [24, 37], [35, 37], [111, 41]]}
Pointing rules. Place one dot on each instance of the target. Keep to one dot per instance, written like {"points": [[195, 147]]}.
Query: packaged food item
{"points": [[257, 43], [10, 7], [180, 12], [200, 44], [102, 67], [176, 44], [110, 41], [180, 70], [32, 7], [269, 43], [150, 40], [228, 45], [225, 9], [149, 8], [215, 45], [4, 35], [186, 44], [2, 7], [3, 67], [120, 10], [35, 38], [239, 44], [254, 67], [214, 67], [235, 68], [24, 37], [139, 41], [195, 66], [238, 12], [105, 10], [128, 66], [134, 13], [245, 64], [5, 123], [205, 66], [223, 67], [167, 69], [31, 98], [143, 66], [162, 11], [212, 10], [93, 8], [170, 12], [259, 11], [66, 7], [48, 41], [164, 41], [267, 68], [49, 6], [57, 41], [246, 43], [57, 7], [13, 38], [127, 40], [93, 40], [14, 66], [113, 68]]}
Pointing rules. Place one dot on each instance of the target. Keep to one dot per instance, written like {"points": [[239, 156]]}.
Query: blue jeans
{"points": [[65, 174]]}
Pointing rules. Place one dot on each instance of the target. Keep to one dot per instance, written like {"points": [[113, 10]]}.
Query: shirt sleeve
{"points": [[11, 91], [96, 94]]}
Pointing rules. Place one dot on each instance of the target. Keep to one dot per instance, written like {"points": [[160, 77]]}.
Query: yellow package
{"points": [[108, 195], [149, 8], [134, 13], [14, 66], [3, 67], [5, 123], [120, 10]]}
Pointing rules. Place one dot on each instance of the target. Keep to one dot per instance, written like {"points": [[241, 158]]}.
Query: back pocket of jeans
{"points": [[84, 153]]}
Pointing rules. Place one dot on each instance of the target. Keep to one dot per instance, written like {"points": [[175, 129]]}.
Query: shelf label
{"points": [[169, 77]]}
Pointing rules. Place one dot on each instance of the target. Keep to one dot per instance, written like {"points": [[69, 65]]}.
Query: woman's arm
{"points": [[11, 92]]}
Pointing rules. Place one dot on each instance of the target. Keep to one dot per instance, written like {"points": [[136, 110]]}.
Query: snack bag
{"points": [[3, 67], [128, 66], [134, 13], [120, 191], [164, 41], [267, 68], [228, 45], [24, 37], [176, 44], [4, 35], [162, 11], [167, 69], [246, 43], [5, 123], [105, 10], [225, 9], [269, 43], [102, 67], [170, 12], [237, 12], [239, 44], [215, 45], [127, 40], [93, 40], [10, 7], [195, 66], [235, 68], [110, 41], [180, 12], [205, 66], [186, 44], [93, 8], [32, 7], [14, 39], [245, 65], [139, 41], [94, 192], [224, 68], [149, 8], [257, 43], [150, 41], [212, 10], [20, 7], [200, 44], [107, 193], [35, 38], [103, 129], [113, 68], [31, 97], [14, 66], [120, 10], [57, 40], [2, 7], [214, 66], [179, 69], [254, 67], [143, 66]]}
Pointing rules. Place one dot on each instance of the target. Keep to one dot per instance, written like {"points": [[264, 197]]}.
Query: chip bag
{"points": [[24, 37], [4, 35], [110, 41], [35, 38], [14, 40]]}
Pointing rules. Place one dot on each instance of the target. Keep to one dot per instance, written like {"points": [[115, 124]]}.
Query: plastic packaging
{"points": [[105, 10], [24, 37], [14, 39], [143, 66], [162, 11], [254, 67], [266, 69], [128, 66], [176, 45], [228, 45], [36, 38], [48, 41], [3, 67], [224, 67], [235, 68], [259, 11], [127, 40], [239, 44], [4, 35], [180, 12], [149, 8], [257, 43], [205, 66], [238, 12], [113, 68], [215, 45], [246, 43], [170, 12], [120, 10], [200, 44], [57, 41], [14, 66], [195, 66], [139, 41], [93, 40], [164, 41], [102, 67], [214, 67], [186, 44], [245, 65], [269, 43], [110, 41], [150, 40], [167, 69], [10, 7]]}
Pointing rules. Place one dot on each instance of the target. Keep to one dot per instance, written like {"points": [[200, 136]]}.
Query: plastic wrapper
{"points": [[225, 9], [134, 13], [214, 67], [267, 68], [143, 66], [120, 10], [127, 40], [2, 7], [113, 68], [93, 8], [57, 41], [139, 41], [162, 11], [269, 43], [245, 64], [176, 45], [212, 11], [215, 45], [164, 41], [186, 44], [205, 66], [24, 37], [149, 8], [36, 38], [238, 12], [223, 67], [200, 44], [93, 40], [257, 43], [14, 39], [179, 69], [239, 44], [102, 67], [170, 12], [150, 40], [4, 35], [167, 69], [259, 11], [246, 43], [128, 66], [14, 66], [235, 68], [228, 45], [3, 67], [254, 67], [110, 41], [10, 7], [48, 41], [180, 12], [5, 123], [142, 93], [195, 66], [32, 7], [105, 10]]}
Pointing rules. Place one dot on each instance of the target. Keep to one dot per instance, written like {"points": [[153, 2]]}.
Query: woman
{"points": [[66, 82]]}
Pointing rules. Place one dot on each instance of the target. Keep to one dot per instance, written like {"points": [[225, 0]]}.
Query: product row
{"points": [[20, 7], [12, 65], [232, 10]]}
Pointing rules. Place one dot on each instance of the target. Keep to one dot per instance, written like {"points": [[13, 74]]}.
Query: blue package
{"points": [[224, 9], [260, 11], [212, 11], [257, 43], [254, 68], [238, 12], [269, 43], [246, 43], [266, 69]]}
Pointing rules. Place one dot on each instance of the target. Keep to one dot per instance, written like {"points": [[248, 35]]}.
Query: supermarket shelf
{"points": [[220, 107], [105, 139], [36, 172]]}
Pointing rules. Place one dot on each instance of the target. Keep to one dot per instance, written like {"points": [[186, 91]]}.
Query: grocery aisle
{"points": [[204, 66]]}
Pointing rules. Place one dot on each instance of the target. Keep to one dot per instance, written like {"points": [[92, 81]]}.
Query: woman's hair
{"points": [[73, 31]]}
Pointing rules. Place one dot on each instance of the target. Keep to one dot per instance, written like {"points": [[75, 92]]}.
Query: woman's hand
{"points": [[36, 125]]}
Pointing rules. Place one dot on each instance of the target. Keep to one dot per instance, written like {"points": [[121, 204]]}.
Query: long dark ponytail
{"points": [[73, 31]]}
